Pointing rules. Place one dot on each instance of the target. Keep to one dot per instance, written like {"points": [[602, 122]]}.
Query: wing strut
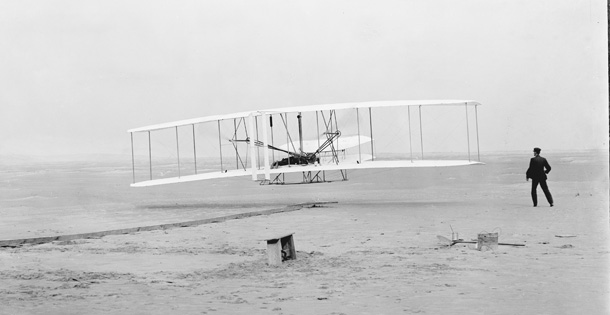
{"points": [[371, 126], [258, 152], [300, 133], [476, 116], [288, 139], [194, 149], [178, 151], [220, 146], [318, 128], [253, 156], [410, 144], [358, 122], [234, 145], [133, 162], [421, 134], [265, 152], [337, 129], [149, 155], [272, 142], [467, 131]]}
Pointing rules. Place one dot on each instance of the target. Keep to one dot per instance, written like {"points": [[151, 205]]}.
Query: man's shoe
{"points": [[551, 205]]}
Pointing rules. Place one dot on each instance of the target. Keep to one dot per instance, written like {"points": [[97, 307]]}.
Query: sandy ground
{"points": [[375, 251]]}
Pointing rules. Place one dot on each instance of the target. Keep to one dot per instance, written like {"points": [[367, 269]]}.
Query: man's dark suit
{"points": [[537, 171]]}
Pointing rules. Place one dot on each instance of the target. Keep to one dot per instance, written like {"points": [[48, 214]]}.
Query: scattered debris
{"points": [[484, 240], [487, 240]]}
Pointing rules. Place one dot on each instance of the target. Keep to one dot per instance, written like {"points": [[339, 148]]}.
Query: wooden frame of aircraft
{"points": [[252, 134]]}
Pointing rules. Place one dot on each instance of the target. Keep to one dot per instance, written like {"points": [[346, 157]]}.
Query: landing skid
{"points": [[309, 177]]}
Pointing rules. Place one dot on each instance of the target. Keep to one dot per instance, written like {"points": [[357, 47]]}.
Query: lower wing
{"points": [[351, 165]]}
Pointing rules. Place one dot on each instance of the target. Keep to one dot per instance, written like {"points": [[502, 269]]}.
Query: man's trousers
{"points": [[545, 189]]}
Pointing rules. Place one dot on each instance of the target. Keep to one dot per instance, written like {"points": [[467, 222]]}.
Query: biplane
{"points": [[310, 140]]}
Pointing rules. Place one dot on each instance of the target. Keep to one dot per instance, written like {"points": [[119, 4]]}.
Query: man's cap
{"points": [[537, 150]]}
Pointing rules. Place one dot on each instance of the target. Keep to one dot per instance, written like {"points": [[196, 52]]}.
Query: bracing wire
{"points": [[288, 133]]}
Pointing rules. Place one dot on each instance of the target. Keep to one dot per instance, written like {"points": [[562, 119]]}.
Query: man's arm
{"points": [[528, 173], [547, 167]]}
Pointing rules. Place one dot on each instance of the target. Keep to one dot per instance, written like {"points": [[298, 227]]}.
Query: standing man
{"points": [[537, 171]]}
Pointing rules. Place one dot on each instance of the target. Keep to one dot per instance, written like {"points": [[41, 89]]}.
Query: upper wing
{"points": [[308, 108], [375, 104]]}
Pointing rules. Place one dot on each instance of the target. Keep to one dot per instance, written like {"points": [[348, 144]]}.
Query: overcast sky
{"points": [[75, 75]]}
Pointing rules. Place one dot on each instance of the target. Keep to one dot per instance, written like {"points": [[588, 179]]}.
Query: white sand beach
{"points": [[373, 250]]}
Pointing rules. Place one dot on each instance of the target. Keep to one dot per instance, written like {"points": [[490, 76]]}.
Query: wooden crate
{"points": [[280, 248]]}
